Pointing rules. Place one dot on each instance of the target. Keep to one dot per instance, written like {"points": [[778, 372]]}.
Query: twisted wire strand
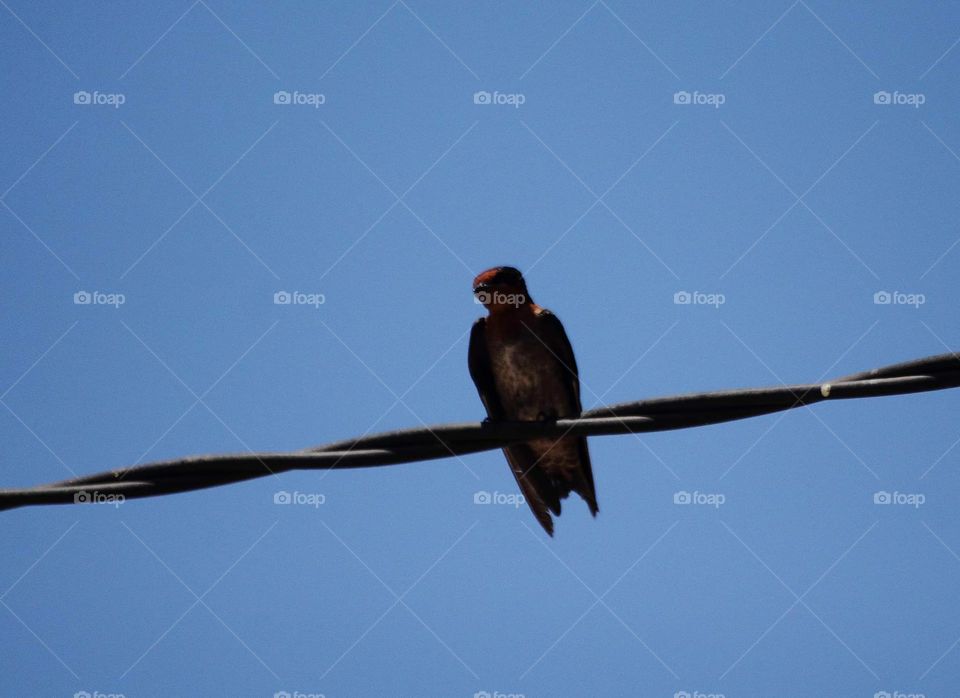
{"points": [[445, 440]]}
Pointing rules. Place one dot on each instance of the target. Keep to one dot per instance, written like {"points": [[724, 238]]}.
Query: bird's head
{"points": [[501, 289]]}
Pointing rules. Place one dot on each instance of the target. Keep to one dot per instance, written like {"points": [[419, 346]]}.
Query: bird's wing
{"points": [[535, 486], [551, 332], [478, 359]]}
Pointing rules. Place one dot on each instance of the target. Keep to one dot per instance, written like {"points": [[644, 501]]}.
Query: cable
{"points": [[445, 440]]}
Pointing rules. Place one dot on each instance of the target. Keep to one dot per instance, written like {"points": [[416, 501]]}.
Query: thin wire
{"points": [[446, 440]]}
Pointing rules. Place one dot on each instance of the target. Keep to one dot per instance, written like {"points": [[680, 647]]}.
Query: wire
{"points": [[445, 440]]}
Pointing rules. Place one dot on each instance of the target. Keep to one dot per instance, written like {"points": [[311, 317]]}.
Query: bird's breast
{"points": [[529, 380]]}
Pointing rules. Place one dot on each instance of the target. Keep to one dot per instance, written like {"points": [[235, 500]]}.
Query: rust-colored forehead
{"points": [[498, 274], [486, 277]]}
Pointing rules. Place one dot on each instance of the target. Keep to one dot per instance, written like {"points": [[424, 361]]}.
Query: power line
{"points": [[445, 440]]}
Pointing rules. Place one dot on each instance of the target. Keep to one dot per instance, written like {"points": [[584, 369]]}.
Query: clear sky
{"points": [[166, 169]]}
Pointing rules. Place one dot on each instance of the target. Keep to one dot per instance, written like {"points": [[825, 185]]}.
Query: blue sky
{"points": [[178, 165]]}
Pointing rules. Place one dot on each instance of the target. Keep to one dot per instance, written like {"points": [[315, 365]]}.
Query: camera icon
{"points": [[682, 97], [82, 97], [882, 298], [482, 97], [81, 498], [882, 694], [681, 694], [481, 298], [882, 97], [282, 298], [882, 497], [681, 497], [482, 497], [82, 694], [682, 298], [281, 97], [281, 497], [482, 694], [82, 298]]}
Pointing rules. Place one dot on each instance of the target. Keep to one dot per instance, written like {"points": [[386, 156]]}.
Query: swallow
{"points": [[523, 366]]}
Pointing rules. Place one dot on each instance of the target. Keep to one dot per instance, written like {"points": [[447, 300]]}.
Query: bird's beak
{"points": [[481, 294]]}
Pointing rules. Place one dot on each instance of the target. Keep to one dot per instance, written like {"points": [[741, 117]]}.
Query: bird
{"points": [[523, 366]]}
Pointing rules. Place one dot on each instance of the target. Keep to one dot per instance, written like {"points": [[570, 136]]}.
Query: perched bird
{"points": [[523, 366]]}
